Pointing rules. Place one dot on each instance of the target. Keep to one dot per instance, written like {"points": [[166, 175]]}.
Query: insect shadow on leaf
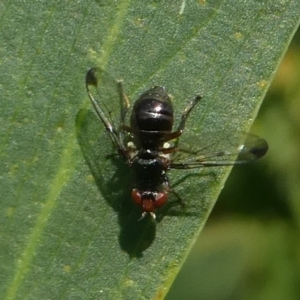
{"points": [[112, 178]]}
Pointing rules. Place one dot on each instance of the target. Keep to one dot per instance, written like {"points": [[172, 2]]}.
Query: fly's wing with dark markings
{"points": [[105, 94], [219, 153]]}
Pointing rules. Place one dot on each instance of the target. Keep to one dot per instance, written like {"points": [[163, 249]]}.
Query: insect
{"points": [[146, 140]]}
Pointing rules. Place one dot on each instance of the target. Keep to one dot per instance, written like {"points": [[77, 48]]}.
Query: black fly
{"points": [[142, 139]]}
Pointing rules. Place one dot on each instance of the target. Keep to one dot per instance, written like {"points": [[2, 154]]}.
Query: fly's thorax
{"points": [[149, 169]]}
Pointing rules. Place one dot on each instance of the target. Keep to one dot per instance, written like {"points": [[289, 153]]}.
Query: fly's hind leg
{"points": [[174, 135], [124, 102], [124, 130], [186, 113]]}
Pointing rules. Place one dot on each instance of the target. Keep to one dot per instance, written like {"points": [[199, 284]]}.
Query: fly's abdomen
{"points": [[152, 117]]}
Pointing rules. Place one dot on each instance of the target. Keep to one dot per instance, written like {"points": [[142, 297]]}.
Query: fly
{"points": [[146, 140]]}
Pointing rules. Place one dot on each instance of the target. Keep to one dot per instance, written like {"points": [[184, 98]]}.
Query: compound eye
{"points": [[160, 199], [144, 200], [136, 196], [149, 201]]}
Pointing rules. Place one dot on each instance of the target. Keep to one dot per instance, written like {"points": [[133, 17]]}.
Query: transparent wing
{"points": [[219, 154], [110, 103]]}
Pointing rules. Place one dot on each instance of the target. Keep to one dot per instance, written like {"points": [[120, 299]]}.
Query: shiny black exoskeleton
{"points": [[145, 143], [151, 124], [152, 118]]}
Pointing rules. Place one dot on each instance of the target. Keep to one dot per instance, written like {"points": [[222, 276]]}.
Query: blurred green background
{"points": [[250, 246]]}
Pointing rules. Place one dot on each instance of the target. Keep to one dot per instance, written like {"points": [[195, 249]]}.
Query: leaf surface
{"points": [[68, 227]]}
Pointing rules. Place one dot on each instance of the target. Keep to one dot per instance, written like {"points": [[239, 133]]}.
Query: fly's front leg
{"points": [[168, 189]]}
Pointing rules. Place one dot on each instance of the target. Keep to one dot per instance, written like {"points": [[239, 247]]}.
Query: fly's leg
{"points": [[91, 80], [169, 189], [186, 113], [184, 116], [124, 130], [124, 102]]}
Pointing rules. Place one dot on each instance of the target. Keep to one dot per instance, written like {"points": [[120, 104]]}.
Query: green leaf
{"points": [[68, 227]]}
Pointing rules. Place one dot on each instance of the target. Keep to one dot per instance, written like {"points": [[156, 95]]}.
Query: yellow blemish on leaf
{"points": [[59, 128], [238, 35], [90, 178], [93, 55], [10, 212], [13, 169], [67, 269], [262, 84], [129, 282]]}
